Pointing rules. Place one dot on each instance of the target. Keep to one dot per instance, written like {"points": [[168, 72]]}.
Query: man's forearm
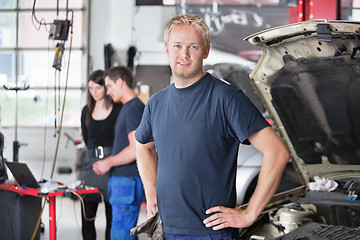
{"points": [[126, 156], [270, 175], [147, 164], [274, 162], [269, 179]]}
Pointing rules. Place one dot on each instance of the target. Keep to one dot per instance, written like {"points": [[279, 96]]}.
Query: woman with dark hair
{"points": [[98, 118]]}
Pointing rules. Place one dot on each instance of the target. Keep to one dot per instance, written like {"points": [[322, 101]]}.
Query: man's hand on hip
{"points": [[223, 217]]}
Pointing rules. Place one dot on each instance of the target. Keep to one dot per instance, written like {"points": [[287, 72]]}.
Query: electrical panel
{"points": [[59, 30]]}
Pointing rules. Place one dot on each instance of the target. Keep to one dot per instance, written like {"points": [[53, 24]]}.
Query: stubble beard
{"points": [[186, 74]]}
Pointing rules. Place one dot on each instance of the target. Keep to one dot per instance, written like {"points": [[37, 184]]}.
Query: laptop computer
{"points": [[22, 174]]}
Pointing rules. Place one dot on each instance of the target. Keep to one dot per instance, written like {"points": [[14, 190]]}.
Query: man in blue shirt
{"points": [[125, 186], [188, 139]]}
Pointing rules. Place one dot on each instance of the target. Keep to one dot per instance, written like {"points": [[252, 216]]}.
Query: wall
{"points": [[123, 24]]}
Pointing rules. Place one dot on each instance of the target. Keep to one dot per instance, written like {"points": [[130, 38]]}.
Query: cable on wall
{"points": [[34, 19]]}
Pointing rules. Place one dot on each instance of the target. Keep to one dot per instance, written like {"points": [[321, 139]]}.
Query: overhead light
{"points": [[169, 2]]}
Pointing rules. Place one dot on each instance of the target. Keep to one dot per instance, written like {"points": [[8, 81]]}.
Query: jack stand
{"points": [[16, 144]]}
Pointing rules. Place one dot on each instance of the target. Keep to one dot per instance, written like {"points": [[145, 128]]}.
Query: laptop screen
{"points": [[22, 174]]}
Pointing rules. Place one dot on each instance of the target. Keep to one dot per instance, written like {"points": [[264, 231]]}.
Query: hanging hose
{"points": [[61, 119], [65, 90]]}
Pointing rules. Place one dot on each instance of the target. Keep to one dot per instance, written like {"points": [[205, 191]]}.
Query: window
{"points": [[26, 60]]}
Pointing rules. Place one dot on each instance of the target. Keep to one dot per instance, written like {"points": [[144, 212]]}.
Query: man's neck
{"points": [[180, 82], [127, 96]]}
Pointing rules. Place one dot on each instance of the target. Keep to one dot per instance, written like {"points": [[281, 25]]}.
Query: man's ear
{"points": [[166, 50], [207, 51], [119, 82]]}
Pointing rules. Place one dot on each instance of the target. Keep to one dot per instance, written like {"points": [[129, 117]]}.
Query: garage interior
{"points": [[48, 48]]}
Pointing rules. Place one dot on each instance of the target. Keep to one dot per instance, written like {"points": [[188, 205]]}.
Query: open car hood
{"points": [[308, 78]]}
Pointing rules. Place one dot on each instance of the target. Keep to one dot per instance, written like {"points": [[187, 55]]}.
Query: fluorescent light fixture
{"points": [[169, 2]]}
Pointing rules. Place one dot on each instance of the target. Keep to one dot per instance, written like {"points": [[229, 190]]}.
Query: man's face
{"points": [[113, 89], [186, 52]]}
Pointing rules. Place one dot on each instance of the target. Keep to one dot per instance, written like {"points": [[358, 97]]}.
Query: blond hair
{"points": [[192, 20]]}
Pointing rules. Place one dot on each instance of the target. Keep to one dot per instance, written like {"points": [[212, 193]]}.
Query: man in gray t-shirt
{"points": [[188, 139]]}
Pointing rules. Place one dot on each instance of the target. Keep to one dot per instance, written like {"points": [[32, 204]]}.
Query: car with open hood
{"points": [[308, 78]]}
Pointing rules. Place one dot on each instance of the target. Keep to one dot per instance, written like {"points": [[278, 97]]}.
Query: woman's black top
{"points": [[99, 132]]}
